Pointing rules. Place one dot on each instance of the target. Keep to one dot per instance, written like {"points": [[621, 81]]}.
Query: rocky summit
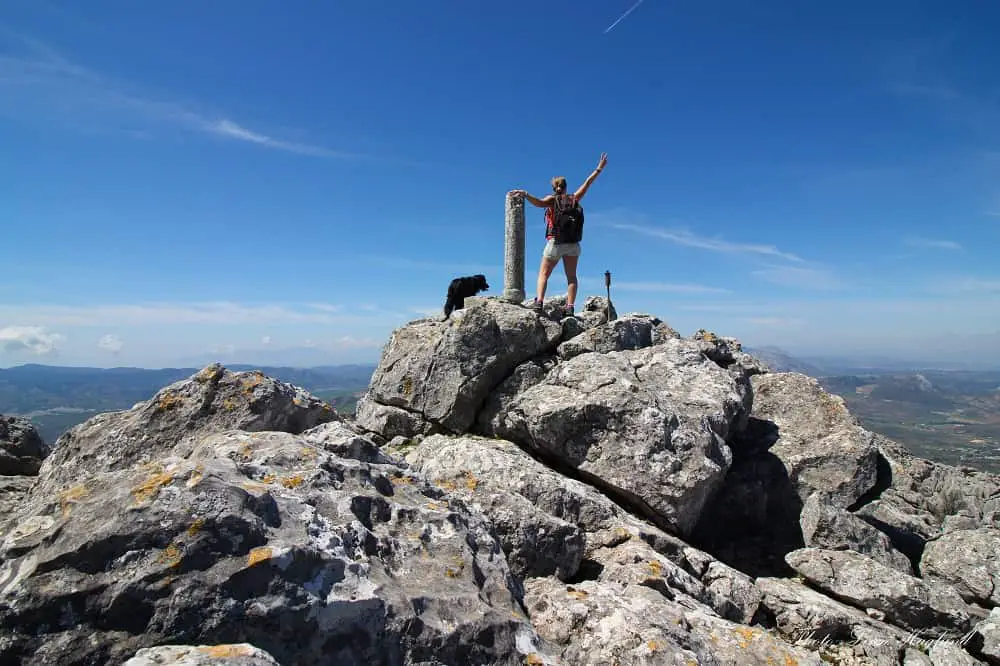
{"points": [[517, 487]]}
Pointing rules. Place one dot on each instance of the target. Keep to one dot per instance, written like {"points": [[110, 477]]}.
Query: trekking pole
{"points": [[607, 285]]}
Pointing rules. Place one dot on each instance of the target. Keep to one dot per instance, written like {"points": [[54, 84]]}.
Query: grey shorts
{"points": [[554, 250]]}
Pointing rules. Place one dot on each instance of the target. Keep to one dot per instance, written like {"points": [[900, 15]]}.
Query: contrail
{"points": [[622, 17]]}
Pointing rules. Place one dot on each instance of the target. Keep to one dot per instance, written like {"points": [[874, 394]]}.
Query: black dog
{"points": [[460, 288]]}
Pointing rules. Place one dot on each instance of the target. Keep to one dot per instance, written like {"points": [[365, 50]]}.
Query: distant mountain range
{"points": [[57, 397]]}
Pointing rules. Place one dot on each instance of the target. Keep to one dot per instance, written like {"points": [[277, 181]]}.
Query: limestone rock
{"points": [[907, 602], [969, 560], [260, 538], [241, 654], [804, 615], [917, 497], [387, 421], [443, 371], [664, 412], [820, 443], [499, 478], [175, 418], [605, 623], [630, 332], [12, 492], [947, 653], [22, 449], [985, 643], [832, 528]]}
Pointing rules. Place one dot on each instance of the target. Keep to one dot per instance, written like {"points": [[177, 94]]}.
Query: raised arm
{"points": [[592, 177], [544, 202]]}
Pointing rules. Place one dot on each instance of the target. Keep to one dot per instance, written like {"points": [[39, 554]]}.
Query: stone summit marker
{"points": [[513, 262]]}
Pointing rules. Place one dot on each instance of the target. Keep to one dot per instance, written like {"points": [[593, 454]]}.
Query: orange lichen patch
{"points": [[533, 659], [196, 527], [71, 496], [471, 481], [436, 506], [224, 651], [171, 556], [456, 571], [401, 480], [197, 474], [297, 401], [791, 661], [744, 636], [308, 453], [229, 404], [168, 400], [250, 384], [653, 646], [446, 484], [245, 450], [406, 388], [293, 481], [208, 374], [656, 568], [328, 408], [268, 478], [148, 489], [258, 555], [575, 593]]}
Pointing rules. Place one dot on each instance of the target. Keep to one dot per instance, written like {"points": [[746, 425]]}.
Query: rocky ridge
{"points": [[516, 488]]}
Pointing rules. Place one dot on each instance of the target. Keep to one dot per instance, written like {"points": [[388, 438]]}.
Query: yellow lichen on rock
{"points": [[258, 555], [533, 660], [293, 481], [745, 636], [148, 489], [575, 593], [471, 481], [229, 404], [225, 651], [171, 556], [208, 374], [456, 571], [167, 401], [656, 568], [196, 527], [197, 474], [71, 496]]}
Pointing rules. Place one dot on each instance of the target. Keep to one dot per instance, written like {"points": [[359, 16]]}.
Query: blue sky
{"points": [[272, 181]]}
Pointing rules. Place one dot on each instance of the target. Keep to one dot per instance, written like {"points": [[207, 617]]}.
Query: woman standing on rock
{"points": [[563, 231]]}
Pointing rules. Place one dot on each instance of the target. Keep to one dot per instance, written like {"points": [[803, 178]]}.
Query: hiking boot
{"points": [[568, 311], [536, 305]]}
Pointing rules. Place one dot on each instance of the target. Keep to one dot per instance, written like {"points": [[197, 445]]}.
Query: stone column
{"points": [[513, 260]]}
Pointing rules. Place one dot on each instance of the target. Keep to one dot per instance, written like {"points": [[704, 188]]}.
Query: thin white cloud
{"points": [[622, 17], [36, 80], [800, 276], [33, 340], [933, 244], [111, 343], [773, 322], [266, 340], [967, 285], [351, 342], [992, 213], [223, 313], [689, 239], [326, 307], [653, 286]]}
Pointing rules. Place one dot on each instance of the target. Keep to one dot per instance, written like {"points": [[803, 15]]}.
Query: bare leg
{"points": [[569, 265], [544, 271]]}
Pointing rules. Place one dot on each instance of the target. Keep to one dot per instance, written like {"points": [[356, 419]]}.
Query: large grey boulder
{"points": [[443, 371], [268, 538], [610, 623], [22, 449], [500, 479], [803, 615], [969, 560], [906, 601], [649, 426], [175, 419], [550, 524], [833, 528], [633, 331], [818, 440], [985, 642], [920, 499], [242, 654]]}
